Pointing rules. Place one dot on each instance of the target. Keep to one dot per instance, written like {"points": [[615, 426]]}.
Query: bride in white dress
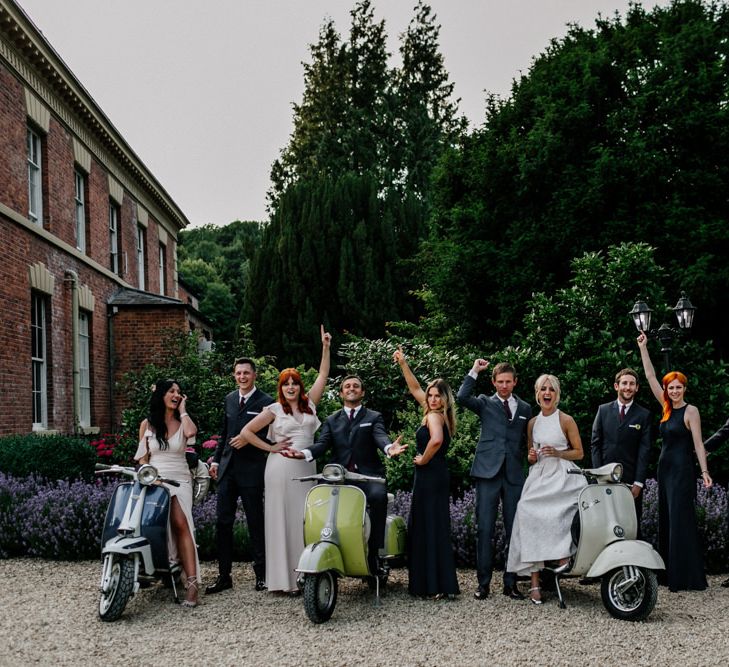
{"points": [[543, 521], [163, 438], [292, 424]]}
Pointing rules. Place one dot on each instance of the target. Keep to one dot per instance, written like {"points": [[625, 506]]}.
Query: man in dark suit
{"points": [[712, 444], [355, 434], [621, 433], [239, 472], [498, 466]]}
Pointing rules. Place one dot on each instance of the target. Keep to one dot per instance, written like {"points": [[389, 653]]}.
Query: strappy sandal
{"points": [[191, 583], [534, 600]]}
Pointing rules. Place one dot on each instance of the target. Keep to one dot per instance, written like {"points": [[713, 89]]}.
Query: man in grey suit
{"points": [[621, 433], [713, 443], [498, 466]]}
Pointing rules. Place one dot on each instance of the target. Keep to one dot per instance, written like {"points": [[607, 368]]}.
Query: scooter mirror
{"points": [[147, 475]]}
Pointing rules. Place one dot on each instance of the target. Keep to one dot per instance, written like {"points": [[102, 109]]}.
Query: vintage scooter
{"points": [[336, 530], [604, 530], [134, 538]]}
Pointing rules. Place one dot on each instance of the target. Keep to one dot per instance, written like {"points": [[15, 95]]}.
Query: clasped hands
{"points": [[542, 450]]}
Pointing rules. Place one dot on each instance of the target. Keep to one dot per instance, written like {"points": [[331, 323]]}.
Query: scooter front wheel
{"points": [[630, 592], [117, 588], [320, 595]]}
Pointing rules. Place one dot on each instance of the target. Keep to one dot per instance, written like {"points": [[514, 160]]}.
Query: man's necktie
{"points": [[242, 403], [351, 414], [507, 411], [622, 412]]}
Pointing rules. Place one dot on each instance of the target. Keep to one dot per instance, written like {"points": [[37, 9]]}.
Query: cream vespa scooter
{"points": [[605, 530]]}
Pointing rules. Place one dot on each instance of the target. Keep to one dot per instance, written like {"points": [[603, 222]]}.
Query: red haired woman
{"points": [[678, 535], [293, 423]]}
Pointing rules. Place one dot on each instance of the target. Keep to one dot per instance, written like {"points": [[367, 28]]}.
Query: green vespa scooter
{"points": [[336, 530]]}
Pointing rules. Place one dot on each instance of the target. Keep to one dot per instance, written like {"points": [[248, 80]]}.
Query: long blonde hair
{"points": [[449, 405]]}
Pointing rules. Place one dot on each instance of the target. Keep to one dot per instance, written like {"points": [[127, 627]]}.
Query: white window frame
{"points": [[80, 211], [84, 359], [140, 256], [35, 176], [39, 360], [162, 267], [114, 238]]}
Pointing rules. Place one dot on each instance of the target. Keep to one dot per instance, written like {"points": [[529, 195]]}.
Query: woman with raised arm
{"points": [[678, 533], [431, 564], [292, 423], [163, 438], [543, 520]]}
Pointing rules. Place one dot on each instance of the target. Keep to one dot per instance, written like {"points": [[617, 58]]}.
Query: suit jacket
{"points": [[627, 442], [249, 462], [356, 441], [502, 441], [720, 437]]}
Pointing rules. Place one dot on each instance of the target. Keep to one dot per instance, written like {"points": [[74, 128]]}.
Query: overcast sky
{"points": [[202, 91]]}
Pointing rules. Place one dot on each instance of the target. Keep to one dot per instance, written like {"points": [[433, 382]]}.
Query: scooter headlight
{"points": [[617, 474], [333, 472], [147, 475]]}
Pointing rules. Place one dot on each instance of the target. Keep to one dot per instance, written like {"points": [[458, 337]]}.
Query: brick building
{"points": [[88, 247]]}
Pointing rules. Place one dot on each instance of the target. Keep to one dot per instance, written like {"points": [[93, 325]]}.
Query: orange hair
{"points": [[283, 378], [667, 379]]}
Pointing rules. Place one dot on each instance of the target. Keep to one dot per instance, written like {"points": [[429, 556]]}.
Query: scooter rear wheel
{"points": [[320, 595], [630, 593], [113, 601]]}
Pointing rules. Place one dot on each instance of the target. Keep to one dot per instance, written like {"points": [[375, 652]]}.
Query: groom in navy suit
{"points": [[621, 433], [356, 435], [498, 466]]}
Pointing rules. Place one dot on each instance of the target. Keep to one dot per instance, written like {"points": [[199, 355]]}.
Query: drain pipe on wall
{"points": [[72, 277]]}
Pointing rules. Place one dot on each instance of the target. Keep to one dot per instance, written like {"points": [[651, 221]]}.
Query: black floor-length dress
{"points": [[678, 534], [431, 564]]}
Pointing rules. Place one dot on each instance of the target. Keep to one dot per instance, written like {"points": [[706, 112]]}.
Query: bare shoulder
{"points": [[566, 421]]}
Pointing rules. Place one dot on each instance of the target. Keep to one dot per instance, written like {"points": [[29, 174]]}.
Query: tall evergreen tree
{"points": [[619, 133]]}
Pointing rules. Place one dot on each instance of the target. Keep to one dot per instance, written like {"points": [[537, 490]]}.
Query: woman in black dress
{"points": [[432, 566], [678, 534]]}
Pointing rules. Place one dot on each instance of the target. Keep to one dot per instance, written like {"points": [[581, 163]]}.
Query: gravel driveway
{"points": [[48, 616]]}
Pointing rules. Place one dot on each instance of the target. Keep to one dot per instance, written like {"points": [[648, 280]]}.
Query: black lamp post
{"points": [[641, 315]]}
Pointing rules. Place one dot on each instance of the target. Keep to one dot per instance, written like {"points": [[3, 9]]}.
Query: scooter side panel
{"points": [[395, 537], [630, 552]]}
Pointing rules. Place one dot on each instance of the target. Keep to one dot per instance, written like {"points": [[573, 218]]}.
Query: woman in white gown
{"points": [[293, 423], [163, 437], [543, 521]]}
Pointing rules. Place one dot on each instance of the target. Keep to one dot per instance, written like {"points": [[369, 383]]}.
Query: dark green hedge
{"points": [[49, 456]]}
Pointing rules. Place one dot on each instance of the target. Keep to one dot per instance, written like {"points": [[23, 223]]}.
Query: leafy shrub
{"points": [[49, 456]]}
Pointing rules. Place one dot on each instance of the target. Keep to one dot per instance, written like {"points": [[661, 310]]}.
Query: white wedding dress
{"points": [[543, 521]]}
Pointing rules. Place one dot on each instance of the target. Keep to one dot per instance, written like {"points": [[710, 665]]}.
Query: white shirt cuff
{"points": [[473, 374], [307, 454]]}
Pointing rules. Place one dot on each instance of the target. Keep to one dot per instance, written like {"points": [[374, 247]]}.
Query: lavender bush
{"points": [[63, 520]]}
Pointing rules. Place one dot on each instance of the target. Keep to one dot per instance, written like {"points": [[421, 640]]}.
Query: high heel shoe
{"points": [[191, 583], [534, 600], [562, 566]]}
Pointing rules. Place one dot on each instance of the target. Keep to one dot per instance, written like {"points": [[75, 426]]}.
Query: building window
{"points": [[84, 357], [38, 333], [162, 269], [80, 201], [114, 240], [35, 187], [141, 258]]}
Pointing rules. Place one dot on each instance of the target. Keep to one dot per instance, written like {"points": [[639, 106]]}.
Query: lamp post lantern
{"points": [[684, 311]]}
